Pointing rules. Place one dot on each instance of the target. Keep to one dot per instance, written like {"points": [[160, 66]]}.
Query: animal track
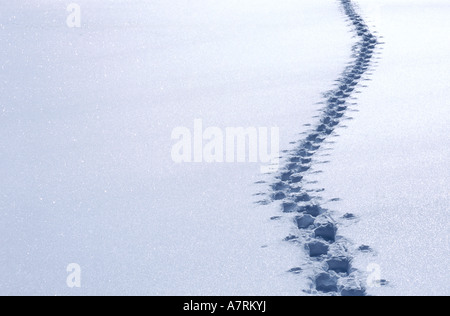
{"points": [[319, 231]]}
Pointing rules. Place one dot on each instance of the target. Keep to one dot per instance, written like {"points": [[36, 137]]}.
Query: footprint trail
{"points": [[330, 255]]}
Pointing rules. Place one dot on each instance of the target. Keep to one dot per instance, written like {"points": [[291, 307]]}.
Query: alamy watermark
{"points": [[228, 145], [74, 18], [374, 279], [74, 278]]}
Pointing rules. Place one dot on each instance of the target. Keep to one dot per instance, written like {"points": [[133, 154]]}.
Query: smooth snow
{"points": [[86, 116], [86, 119]]}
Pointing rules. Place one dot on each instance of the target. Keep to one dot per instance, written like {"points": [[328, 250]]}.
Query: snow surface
{"points": [[86, 117], [390, 164], [86, 120]]}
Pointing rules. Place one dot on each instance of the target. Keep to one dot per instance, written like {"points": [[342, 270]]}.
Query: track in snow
{"points": [[330, 254]]}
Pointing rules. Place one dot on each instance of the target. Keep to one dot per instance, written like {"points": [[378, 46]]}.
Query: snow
{"points": [[87, 115], [390, 164]]}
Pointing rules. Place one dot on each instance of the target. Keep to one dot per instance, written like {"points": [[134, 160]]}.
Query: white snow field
{"points": [[86, 116], [391, 164]]}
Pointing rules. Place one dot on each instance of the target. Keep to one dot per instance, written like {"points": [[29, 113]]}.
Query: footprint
{"points": [[295, 270]]}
